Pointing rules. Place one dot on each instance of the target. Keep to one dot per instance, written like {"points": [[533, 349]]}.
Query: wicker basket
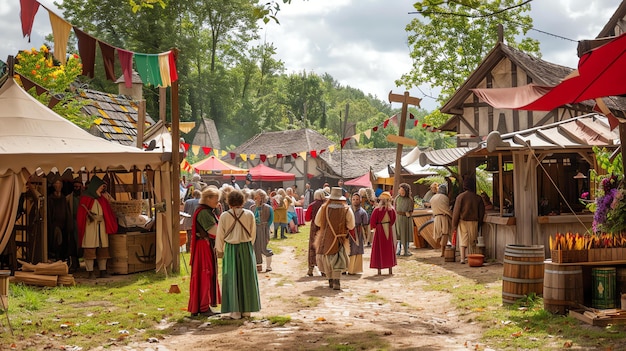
{"points": [[127, 208]]}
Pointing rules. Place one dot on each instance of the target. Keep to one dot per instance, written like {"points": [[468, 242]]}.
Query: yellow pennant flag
{"points": [[252, 157], [224, 153], [356, 137], [368, 133], [216, 152], [195, 149], [244, 157], [331, 148], [303, 155]]}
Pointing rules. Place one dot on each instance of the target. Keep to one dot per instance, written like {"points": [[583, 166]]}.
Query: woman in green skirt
{"points": [[235, 238]]}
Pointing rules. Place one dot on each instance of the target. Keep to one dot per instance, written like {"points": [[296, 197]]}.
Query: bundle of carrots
{"points": [[577, 241]]}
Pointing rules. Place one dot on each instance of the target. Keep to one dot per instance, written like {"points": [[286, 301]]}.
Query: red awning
{"points": [[214, 165], [263, 173], [600, 73], [362, 181]]}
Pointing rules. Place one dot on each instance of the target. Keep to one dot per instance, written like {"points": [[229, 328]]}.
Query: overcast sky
{"points": [[362, 43]]}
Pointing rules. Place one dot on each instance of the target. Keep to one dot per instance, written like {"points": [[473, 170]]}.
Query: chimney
{"points": [[135, 91]]}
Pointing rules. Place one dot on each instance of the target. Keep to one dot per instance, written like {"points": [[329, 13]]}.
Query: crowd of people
{"points": [[236, 224]]}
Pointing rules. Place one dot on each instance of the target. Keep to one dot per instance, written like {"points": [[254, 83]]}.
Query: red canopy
{"points": [[263, 173], [362, 181], [600, 73], [214, 165]]}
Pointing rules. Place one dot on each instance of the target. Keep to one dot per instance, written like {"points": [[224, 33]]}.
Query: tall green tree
{"points": [[449, 38]]}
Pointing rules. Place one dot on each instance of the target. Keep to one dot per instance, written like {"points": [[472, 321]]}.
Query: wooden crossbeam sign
{"points": [[400, 139]]}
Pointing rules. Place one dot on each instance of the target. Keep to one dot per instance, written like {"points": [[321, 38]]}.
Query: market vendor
{"points": [[96, 221]]}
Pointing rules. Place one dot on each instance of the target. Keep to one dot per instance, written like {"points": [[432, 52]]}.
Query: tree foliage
{"points": [[448, 39], [41, 68]]}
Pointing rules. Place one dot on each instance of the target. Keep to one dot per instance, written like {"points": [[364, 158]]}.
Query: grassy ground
{"points": [[96, 314]]}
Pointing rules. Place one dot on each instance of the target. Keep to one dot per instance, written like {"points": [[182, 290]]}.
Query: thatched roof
{"points": [[119, 116], [352, 163], [284, 142]]}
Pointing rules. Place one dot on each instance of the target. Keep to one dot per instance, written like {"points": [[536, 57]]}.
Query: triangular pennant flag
{"points": [[394, 119], [331, 148], [279, 155], [411, 116], [195, 149], [28, 10], [357, 137], [294, 155], [375, 128], [232, 155], [386, 123], [223, 153], [244, 157], [216, 152], [206, 150], [344, 141], [313, 153], [303, 155], [415, 123], [251, 157], [322, 150], [186, 146], [368, 133], [263, 157]]}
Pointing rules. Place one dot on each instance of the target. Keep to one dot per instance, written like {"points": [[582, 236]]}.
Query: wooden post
{"points": [[405, 100], [175, 175]]}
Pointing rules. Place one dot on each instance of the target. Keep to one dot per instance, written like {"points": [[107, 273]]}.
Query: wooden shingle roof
{"points": [[118, 115], [284, 142], [204, 133], [352, 163]]}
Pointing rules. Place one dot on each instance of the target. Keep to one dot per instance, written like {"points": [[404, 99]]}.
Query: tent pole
{"points": [[175, 203]]}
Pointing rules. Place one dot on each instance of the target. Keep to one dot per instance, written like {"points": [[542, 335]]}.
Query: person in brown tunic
{"points": [[335, 220], [467, 216]]}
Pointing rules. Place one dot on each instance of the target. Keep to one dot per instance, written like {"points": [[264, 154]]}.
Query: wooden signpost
{"points": [[400, 139]]}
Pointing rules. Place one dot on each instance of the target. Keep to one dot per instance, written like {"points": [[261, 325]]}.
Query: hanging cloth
{"points": [[126, 61], [164, 69], [28, 11], [87, 50], [61, 32], [108, 57], [148, 69]]}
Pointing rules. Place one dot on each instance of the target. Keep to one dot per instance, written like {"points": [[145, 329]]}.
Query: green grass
{"points": [[279, 320]]}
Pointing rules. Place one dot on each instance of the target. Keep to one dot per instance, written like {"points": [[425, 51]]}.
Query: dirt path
{"points": [[370, 312]]}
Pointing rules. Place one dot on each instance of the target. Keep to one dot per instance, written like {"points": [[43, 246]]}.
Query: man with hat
{"points": [[467, 216], [96, 221], [336, 221]]}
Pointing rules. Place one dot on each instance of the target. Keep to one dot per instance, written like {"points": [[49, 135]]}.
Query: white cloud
{"points": [[363, 44]]}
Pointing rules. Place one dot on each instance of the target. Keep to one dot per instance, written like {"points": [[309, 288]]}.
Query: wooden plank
{"points": [[587, 317], [392, 138]]}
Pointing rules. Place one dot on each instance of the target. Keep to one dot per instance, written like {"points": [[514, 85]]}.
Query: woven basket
{"points": [[127, 208]]}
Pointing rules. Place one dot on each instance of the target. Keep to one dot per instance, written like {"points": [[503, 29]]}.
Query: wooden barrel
{"points": [[562, 287], [603, 287], [449, 254], [523, 272]]}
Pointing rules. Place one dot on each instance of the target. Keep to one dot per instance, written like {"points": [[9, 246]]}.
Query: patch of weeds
{"points": [[372, 340], [279, 320], [310, 302], [371, 297]]}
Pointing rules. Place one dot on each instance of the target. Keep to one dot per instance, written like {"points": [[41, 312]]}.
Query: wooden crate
{"points": [[132, 252], [569, 256], [607, 254]]}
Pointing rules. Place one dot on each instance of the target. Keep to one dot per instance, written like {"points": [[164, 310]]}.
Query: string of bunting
{"points": [[196, 149], [156, 69]]}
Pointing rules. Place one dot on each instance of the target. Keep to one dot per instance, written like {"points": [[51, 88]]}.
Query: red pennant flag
{"points": [[415, 123], [186, 146], [263, 157], [206, 150], [344, 141], [386, 123], [294, 155], [411, 116], [424, 125], [375, 129], [279, 155], [313, 153], [232, 155]]}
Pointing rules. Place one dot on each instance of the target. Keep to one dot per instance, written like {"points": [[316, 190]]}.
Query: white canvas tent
{"points": [[409, 162], [34, 137]]}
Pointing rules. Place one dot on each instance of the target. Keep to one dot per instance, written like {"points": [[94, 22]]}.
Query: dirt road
{"points": [[371, 312]]}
